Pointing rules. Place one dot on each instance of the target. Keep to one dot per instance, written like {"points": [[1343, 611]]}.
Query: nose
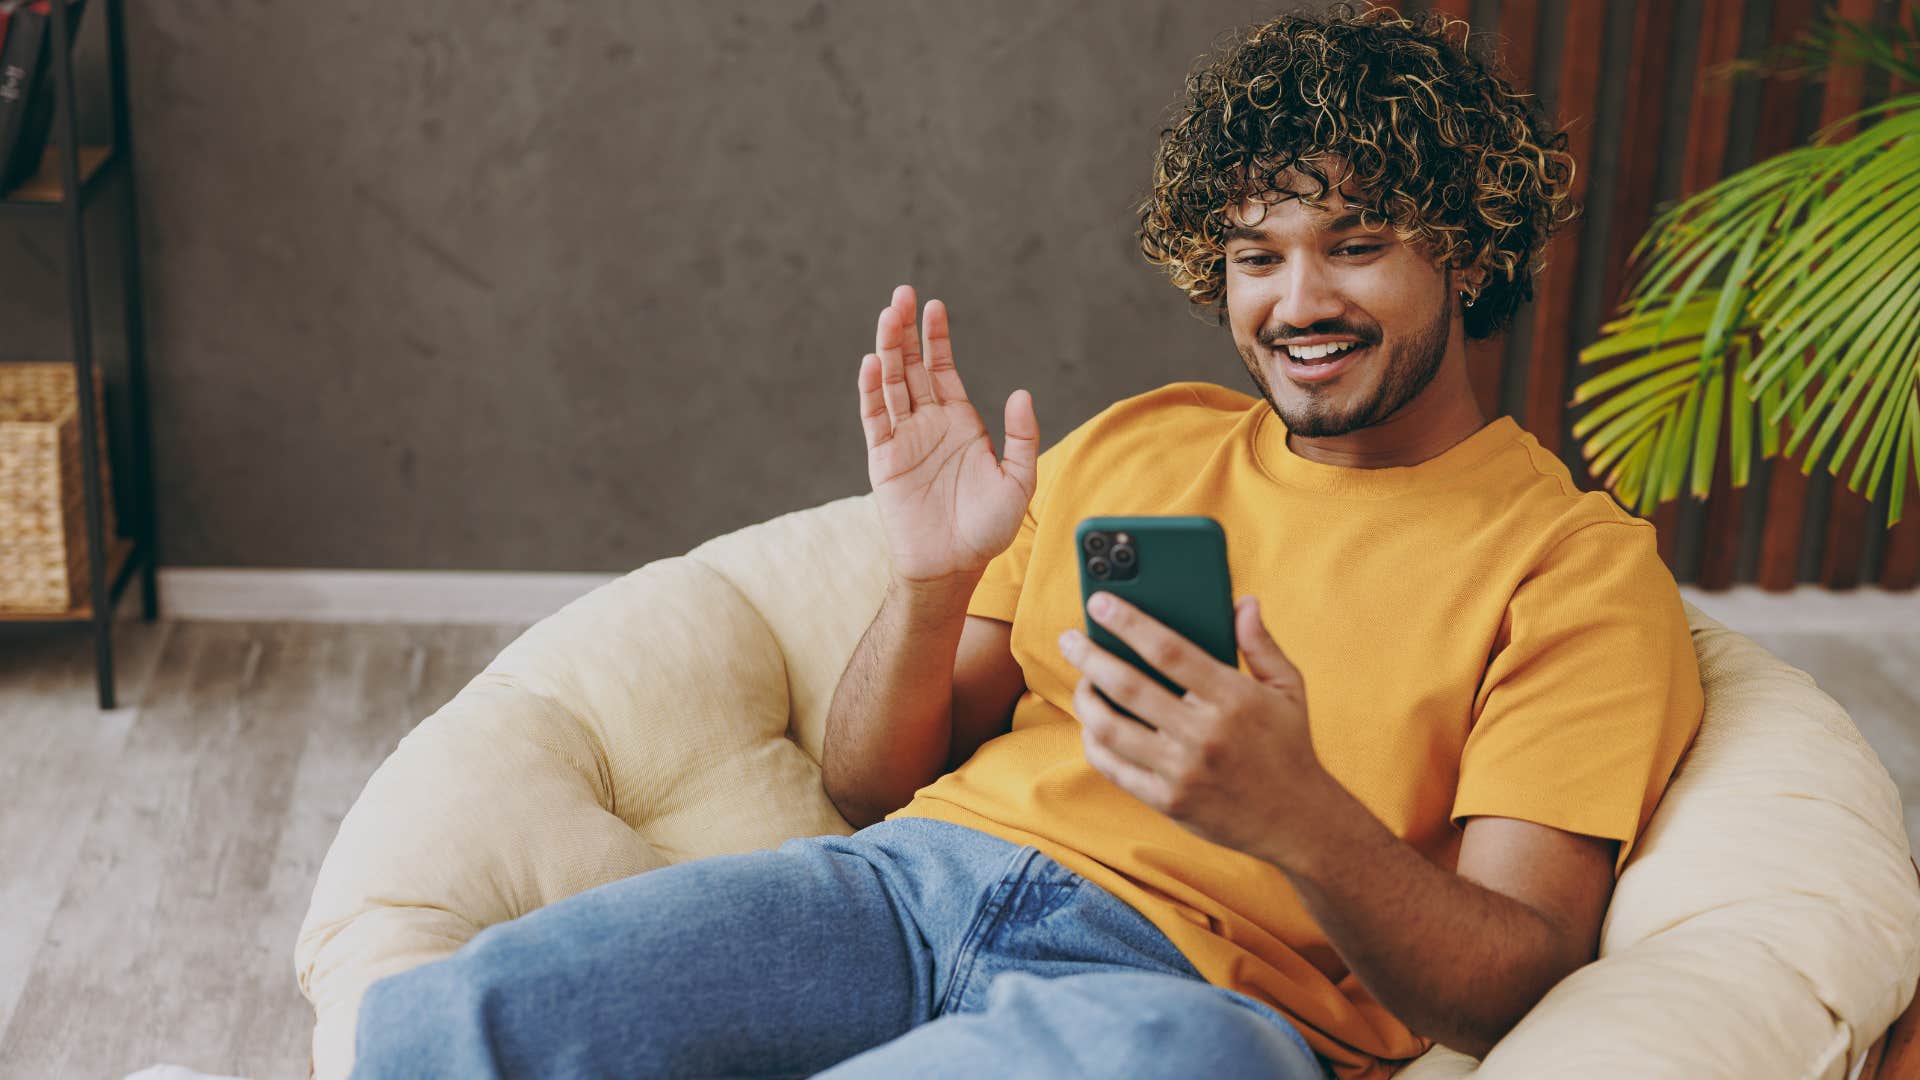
{"points": [[1307, 297]]}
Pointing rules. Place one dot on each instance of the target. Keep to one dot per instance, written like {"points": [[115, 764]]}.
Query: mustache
{"points": [[1332, 332]]}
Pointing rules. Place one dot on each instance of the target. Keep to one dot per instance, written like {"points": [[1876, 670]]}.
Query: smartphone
{"points": [[1174, 568]]}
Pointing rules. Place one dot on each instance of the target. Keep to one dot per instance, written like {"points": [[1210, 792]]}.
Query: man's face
{"points": [[1295, 274]]}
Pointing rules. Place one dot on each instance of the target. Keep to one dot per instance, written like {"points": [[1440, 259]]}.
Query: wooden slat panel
{"points": [[1720, 532], [1788, 489], [1900, 561], [1632, 195], [1905, 15], [1704, 163], [1635, 184], [1720, 524], [1900, 558], [1551, 351], [1847, 510], [1847, 514], [1779, 566], [1483, 357]]}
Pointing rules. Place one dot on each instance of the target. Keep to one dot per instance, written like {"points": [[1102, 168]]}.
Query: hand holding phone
{"points": [[1174, 568]]}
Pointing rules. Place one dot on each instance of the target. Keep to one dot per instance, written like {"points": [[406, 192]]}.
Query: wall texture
{"points": [[505, 285], [578, 285]]}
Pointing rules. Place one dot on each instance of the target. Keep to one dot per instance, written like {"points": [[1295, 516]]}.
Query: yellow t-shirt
{"points": [[1477, 636]]}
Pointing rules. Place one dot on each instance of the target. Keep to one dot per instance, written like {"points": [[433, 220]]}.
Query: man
{"points": [[1463, 685]]}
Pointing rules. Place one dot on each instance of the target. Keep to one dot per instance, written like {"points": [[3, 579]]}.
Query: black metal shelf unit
{"points": [[78, 175]]}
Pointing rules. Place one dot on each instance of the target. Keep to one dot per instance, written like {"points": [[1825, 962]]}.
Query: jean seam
{"points": [[982, 926], [969, 952]]}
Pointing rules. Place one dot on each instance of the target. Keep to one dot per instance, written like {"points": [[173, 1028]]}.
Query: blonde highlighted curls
{"points": [[1439, 145]]}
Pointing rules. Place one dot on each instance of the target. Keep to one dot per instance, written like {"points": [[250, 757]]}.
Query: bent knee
{"points": [[1160, 1024]]}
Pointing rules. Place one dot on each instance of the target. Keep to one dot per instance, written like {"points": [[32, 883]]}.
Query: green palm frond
{"points": [[1803, 268], [1833, 42]]}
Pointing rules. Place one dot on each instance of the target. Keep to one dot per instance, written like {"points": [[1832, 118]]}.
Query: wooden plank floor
{"points": [[156, 861]]}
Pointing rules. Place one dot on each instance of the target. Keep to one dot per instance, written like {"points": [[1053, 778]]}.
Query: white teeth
{"points": [[1315, 352]]}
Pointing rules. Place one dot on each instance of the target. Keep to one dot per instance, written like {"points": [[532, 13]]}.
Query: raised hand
{"points": [[949, 507]]}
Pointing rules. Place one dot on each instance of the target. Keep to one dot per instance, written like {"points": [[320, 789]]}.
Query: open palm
{"points": [[948, 506]]}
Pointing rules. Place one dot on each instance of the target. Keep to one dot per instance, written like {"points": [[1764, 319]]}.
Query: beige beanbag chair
{"points": [[1767, 925]]}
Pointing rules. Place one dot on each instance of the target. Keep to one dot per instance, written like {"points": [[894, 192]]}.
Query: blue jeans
{"points": [[914, 947]]}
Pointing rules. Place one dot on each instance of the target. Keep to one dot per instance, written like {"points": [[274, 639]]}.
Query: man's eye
{"points": [[1350, 249]]}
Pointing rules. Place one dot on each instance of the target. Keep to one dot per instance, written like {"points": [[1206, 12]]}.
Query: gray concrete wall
{"points": [[505, 285]]}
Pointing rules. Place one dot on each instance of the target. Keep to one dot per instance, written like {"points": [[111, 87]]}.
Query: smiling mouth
{"points": [[1322, 369]]}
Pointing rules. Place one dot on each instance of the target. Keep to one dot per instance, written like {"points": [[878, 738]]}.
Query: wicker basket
{"points": [[43, 518]]}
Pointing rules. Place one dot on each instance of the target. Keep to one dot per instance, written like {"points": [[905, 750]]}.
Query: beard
{"points": [[1409, 367]]}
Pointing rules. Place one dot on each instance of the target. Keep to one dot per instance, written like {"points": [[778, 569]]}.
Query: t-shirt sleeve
{"points": [[998, 591], [1592, 695]]}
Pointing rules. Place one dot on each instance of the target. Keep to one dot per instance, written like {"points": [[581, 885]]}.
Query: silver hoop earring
{"points": [[1470, 297]]}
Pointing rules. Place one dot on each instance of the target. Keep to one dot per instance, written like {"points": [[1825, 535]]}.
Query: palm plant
{"points": [[1804, 266]]}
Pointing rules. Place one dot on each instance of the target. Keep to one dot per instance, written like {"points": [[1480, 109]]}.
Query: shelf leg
{"points": [[145, 531], [67, 128]]}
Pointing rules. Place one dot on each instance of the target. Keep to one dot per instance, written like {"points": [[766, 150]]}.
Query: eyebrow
{"points": [[1340, 224]]}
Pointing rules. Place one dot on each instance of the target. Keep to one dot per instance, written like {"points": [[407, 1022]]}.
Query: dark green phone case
{"points": [[1179, 576]]}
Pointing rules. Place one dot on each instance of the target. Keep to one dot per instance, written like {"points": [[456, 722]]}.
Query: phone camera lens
{"points": [[1097, 566], [1096, 543], [1123, 556]]}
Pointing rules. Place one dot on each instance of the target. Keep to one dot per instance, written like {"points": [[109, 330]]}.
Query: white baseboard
{"points": [[387, 596], [451, 596], [1810, 609]]}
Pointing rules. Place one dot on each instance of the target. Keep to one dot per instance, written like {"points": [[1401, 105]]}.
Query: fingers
{"points": [[919, 386], [1126, 738], [912, 370], [893, 377], [1140, 782], [939, 354], [874, 420], [1164, 650], [1121, 681]]}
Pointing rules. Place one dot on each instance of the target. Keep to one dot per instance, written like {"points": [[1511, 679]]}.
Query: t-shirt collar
{"points": [[1281, 464]]}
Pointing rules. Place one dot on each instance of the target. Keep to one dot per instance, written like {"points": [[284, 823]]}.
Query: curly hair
{"points": [[1442, 148]]}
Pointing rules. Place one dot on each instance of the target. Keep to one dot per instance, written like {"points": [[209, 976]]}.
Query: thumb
{"points": [[1020, 452], [1264, 657]]}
